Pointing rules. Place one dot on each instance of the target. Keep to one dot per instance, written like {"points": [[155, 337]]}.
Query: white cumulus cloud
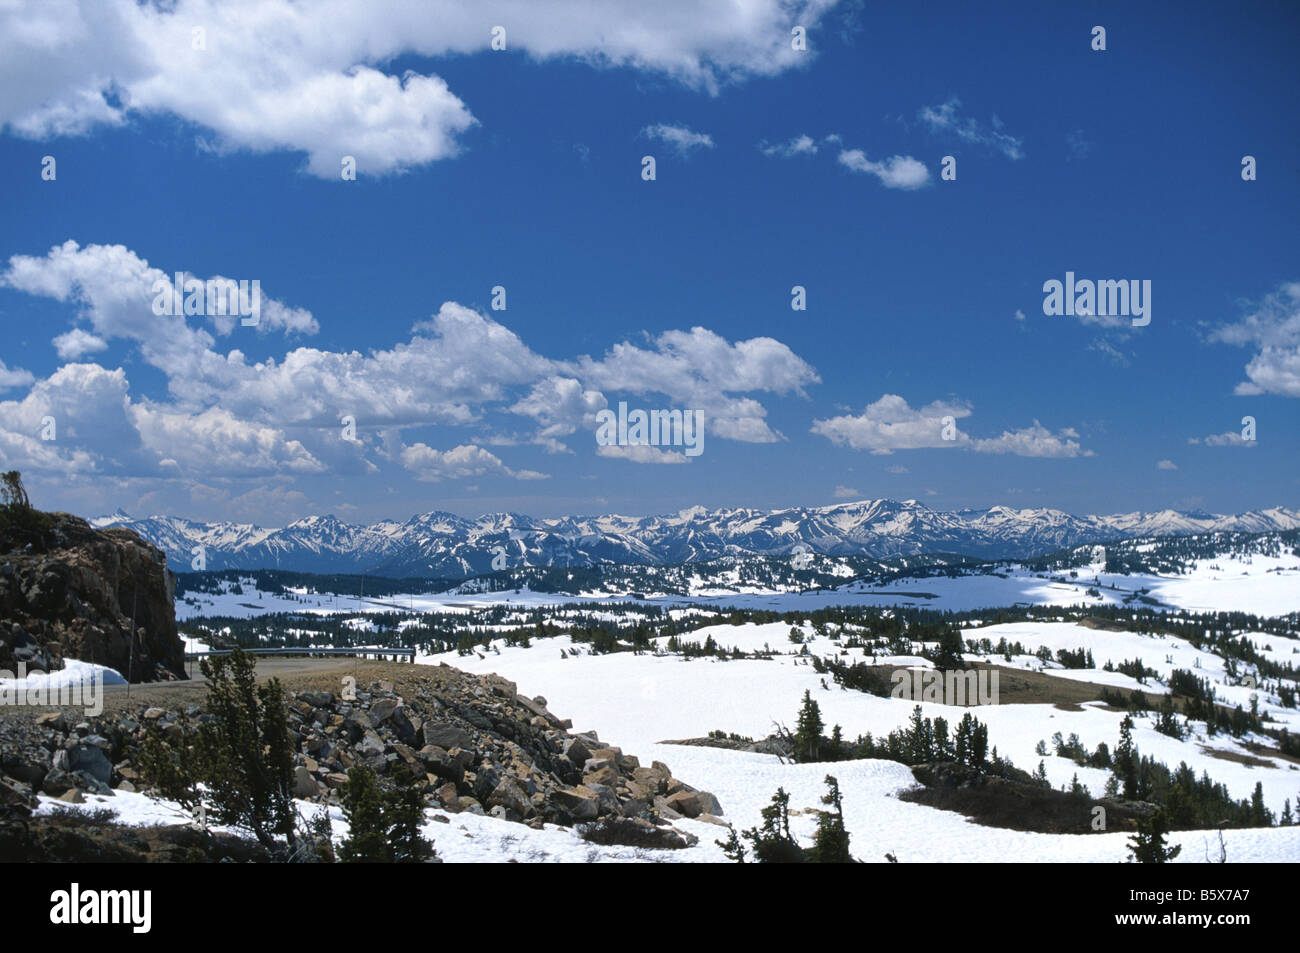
{"points": [[308, 75], [890, 424], [1273, 327], [1035, 441], [681, 139], [896, 172]]}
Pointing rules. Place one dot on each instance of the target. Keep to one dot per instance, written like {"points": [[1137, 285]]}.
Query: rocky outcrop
{"points": [[780, 745], [73, 591], [474, 743]]}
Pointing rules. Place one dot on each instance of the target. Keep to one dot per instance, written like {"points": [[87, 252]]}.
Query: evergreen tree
{"points": [[12, 492], [962, 743], [949, 653], [732, 848], [1260, 815], [1147, 846], [363, 809], [404, 816], [321, 834], [640, 638], [384, 825], [772, 842], [942, 743], [1126, 767], [979, 744], [808, 731], [237, 767], [831, 842], [921, 737], [1167, 721], [20, 522]]}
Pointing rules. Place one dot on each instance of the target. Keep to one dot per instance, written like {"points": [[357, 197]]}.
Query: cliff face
{"points": [[70, 591]]}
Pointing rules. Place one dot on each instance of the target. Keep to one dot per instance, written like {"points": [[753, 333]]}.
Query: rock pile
{"points": [[469, 743], [474, 743]]}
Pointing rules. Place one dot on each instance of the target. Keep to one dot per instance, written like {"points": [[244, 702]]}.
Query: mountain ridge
{"points": [[443, 544]]}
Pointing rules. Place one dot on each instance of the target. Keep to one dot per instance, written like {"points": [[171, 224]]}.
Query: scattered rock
{"points": [[304, 785], [445, 735], [382, 710], [686, 803], [84, 758], [580, 803], [507, 794]]}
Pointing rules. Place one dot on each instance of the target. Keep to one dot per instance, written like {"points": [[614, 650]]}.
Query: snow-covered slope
{"points": [[1231, 581], [643, 700]]}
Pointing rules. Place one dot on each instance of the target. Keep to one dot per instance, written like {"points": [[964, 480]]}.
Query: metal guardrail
{"points": [[381, 653]]}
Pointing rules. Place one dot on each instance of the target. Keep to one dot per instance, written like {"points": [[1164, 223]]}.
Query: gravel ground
{"points": [[296, 674]]}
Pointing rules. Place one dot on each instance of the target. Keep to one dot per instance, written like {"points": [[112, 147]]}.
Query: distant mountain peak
{"points": [[116, 518], [443, 544]]}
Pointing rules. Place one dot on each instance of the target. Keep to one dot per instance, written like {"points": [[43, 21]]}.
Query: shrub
{"points": [[384, 825], [238, 768]]}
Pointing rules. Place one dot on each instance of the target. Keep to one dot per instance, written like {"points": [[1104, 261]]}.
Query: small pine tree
{"points": [[962, 743], [1167, 721], [403, 815], [772, 842], [920, 737], [321, 833], [239, 767], [1147, 846], [979, 744], [12, 492], [808, 731], [384, 826], [831, 842], [1126, 760], [1260, 815], [948, 656], [20, 523], [837, 743], [732, 848], [363, 809]]}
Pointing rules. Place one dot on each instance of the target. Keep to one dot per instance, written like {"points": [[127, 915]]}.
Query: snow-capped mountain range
{"points": [[444, 545]]}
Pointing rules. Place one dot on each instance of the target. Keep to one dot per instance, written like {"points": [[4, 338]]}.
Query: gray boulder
{"points": [[89, 759], [445, 735]]}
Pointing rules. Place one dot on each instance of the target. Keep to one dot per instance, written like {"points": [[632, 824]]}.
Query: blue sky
{"points": [[522, 168]]}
